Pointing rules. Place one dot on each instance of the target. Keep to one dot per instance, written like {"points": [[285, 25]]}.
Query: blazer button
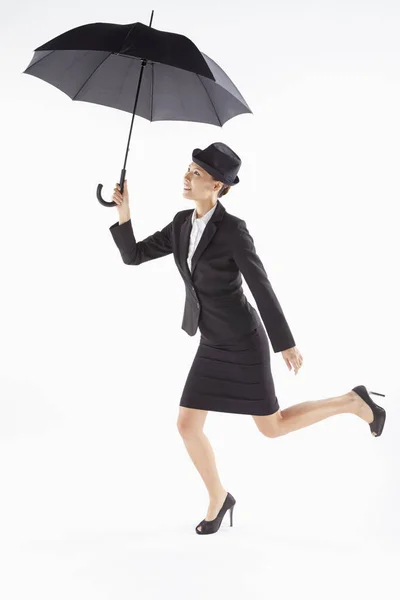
{"points": [[198, 305], [192, 288]]}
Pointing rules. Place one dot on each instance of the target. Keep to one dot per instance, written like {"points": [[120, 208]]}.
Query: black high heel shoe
{"points": [[214, 525], [377, 424]]}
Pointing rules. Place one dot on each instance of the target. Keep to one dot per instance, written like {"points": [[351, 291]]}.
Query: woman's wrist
{"points": [[124, 215]]}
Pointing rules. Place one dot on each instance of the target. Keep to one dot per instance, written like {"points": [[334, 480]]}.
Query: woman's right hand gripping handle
{"points": [[122, 202]]}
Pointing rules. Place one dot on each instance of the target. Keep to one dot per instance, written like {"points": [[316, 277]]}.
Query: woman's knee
{"points": [[269, 425], [190, 421]]}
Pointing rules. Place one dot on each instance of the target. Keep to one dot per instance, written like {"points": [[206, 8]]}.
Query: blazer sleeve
{"points": [[135, 253], [250, 265]]}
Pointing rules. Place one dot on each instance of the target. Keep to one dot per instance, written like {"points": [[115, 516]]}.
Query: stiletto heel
{"points": [[213, 526], [379, 413]]}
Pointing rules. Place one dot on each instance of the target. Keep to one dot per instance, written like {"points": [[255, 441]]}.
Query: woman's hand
{"points": [[121, 200], [292, 357]]}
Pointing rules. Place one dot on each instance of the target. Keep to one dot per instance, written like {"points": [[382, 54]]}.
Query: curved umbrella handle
{"points": [[100, 187], [100, 199]]}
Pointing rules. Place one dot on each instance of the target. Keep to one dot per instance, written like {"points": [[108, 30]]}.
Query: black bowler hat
{"points": [[220, 161]]}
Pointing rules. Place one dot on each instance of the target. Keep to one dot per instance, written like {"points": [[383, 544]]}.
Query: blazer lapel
{"points": [[207, 235]]}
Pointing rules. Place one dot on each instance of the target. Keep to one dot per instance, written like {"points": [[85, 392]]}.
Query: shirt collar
{"points": [[202, 221]]}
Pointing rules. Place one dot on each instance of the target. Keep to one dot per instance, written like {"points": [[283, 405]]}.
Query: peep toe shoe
{"points": [[377, 424], [213, 526]]}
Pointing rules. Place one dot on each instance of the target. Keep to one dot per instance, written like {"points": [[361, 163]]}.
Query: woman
{"points": [[231, 370]]}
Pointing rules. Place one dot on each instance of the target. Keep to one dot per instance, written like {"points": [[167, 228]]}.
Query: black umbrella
{"points": [[104, 63]]}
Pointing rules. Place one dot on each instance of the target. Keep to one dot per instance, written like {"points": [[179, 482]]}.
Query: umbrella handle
{"points": [[100, 187]]}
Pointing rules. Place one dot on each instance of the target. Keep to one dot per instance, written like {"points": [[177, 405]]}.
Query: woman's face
{"points": [[200, 183]]}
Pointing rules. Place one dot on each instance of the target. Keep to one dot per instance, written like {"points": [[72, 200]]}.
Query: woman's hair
{"points": [[224, 190]]}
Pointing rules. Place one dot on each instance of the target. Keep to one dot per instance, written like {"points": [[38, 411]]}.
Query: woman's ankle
{"points": [[216, 497]]}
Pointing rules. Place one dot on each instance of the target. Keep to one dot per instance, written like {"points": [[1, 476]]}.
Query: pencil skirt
{"points": [[232, 378]]}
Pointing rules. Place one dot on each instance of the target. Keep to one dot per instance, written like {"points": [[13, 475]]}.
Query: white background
{"points": [[99, 498]]}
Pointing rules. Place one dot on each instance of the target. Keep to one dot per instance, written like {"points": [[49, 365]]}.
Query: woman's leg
{"points": [[307, 413], [190, 425]]}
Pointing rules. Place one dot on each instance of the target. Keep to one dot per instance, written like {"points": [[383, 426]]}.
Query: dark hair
{"points": [[224, 190]]}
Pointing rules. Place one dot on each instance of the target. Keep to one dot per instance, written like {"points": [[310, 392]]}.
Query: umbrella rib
{"points": [[122, 45], [199, 76], [108, 56], [43, 57]]}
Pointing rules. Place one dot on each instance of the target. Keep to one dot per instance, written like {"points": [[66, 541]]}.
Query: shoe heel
{"points": [[376, 393], [231, 513]]}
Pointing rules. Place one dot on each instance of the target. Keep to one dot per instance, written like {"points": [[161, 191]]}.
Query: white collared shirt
{"points": [[198, 226]]}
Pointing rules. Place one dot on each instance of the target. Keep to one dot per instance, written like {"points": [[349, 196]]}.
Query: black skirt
{"points": [[232, 378]]}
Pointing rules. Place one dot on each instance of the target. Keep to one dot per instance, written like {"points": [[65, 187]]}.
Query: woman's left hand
{"points": [[292, 357]]}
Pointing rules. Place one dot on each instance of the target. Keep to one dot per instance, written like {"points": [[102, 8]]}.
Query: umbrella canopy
{"points": [[107, 64]]}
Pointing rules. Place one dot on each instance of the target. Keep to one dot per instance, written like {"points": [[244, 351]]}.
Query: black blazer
{"points": [[214, 301]]}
